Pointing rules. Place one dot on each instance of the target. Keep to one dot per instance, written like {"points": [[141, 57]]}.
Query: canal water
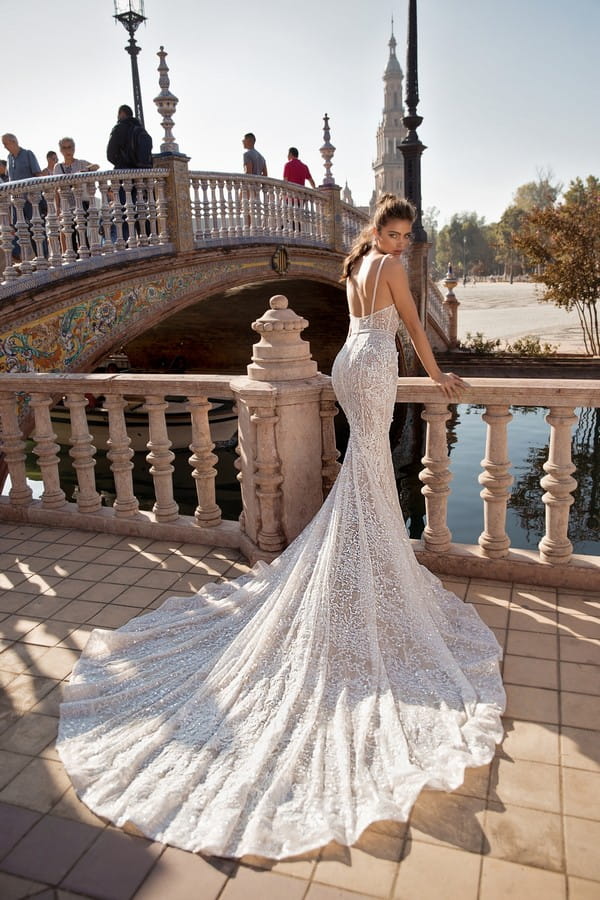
{"points": [[528, 436]]}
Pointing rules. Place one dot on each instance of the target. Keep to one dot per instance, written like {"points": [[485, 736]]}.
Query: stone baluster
{"points": [[451, 305], [120, 454], [555, 547], [13, 447], [108, 213], [53, 230], [496, 482], [93, 219], [46, 450], [268, 478], [141, 210], [129, 212], [196, 208], [222, 203], [160, 458], [6, 236], [436, 477], [153, 238], [80, 221], [330, 452], [38, 234], [245, 200], [214, 209], [161, 212], [235, 229], [66, 224], [202, 462], [82, 452], [24, 236], [205, 217], [280, 221]]}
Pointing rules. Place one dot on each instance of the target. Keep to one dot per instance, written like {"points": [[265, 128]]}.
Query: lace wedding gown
{"points": [[307, 699]]}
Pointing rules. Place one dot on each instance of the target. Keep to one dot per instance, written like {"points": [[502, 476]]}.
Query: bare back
{"points": [[367, 291]]}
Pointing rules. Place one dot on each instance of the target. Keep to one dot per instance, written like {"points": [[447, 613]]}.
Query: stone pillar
{"points": [[179, 205], [333, 218], [555, 546], [280, 434], [451, 304], [417, 276]]}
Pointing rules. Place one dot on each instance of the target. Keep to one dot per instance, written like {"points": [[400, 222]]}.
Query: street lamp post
{"points": [[130, 13], [464, 259]]}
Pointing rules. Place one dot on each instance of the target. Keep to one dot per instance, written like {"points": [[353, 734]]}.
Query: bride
{"points": [[311, 697]]}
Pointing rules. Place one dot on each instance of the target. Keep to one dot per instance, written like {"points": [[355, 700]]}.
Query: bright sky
{"points": [[507, 87]]}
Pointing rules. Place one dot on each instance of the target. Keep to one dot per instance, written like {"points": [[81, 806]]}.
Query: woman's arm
{"points": [[398, 283]]}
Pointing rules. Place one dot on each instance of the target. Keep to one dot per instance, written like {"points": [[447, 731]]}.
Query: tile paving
{"points": [[527, 825]]}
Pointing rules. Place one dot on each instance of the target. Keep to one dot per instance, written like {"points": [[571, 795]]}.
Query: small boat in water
{"points": [[222, 421]]}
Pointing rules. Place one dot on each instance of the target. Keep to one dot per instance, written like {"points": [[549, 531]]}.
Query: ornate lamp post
{"points": [[464, 259], [130, 13], [411, 147]]}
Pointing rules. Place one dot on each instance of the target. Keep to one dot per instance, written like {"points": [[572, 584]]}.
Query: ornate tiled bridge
{"points": [[104, 257]]}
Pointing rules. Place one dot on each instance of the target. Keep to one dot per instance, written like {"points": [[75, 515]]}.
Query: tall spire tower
{"points": [[389, 164]]}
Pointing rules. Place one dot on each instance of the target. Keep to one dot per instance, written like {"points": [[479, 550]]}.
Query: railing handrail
{"points": [[52, 180], [517, 391]]}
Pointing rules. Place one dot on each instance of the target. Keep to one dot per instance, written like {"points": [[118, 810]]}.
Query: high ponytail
{"points": [[388, 207]]}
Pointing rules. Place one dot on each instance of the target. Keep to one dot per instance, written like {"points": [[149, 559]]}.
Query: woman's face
{"points": [[67, 149], [394, 237]]}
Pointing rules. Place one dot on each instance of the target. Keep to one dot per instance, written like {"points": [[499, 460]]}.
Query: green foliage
{"points": [[530, 345], [464, 243], [482, 346], [564, 242]]}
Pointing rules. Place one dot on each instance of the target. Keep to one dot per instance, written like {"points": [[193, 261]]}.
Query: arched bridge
{"points": [[106, 256]]}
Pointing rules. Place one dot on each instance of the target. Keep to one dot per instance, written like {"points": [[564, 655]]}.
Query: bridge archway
{"points": [[72, 326]]}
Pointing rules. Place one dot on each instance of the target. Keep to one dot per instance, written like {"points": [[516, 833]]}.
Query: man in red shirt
{"points": [[295, 170]]}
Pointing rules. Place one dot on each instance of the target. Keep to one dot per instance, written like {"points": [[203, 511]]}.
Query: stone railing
{"points": [[50, 224], [283, 479], [233, 208], [436, 311]]}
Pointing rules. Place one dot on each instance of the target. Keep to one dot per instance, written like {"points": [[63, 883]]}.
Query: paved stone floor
{"points": [[527, 826]]}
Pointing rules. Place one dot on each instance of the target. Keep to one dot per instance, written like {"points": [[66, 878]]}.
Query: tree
{"points": [[538, 194], [430, 224], [501, 239], [464, 243], [564, 240]]}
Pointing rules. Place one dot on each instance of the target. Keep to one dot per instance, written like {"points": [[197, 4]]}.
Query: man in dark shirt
{"points": [[121, 152]]}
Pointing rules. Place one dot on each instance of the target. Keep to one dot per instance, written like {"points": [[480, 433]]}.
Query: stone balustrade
{"points": [[233, 208], [87, 219], [283, 479]]}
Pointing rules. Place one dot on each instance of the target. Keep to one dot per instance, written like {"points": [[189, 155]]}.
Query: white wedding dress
{"points": [[307, 699]]}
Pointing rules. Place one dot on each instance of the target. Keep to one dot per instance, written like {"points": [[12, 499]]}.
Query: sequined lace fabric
{"points": [[307, 699]]}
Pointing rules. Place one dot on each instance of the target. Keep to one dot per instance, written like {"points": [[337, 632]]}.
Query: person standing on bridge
{"points": [[254, 162], [296, 171], [22, 164], [129, 147]]}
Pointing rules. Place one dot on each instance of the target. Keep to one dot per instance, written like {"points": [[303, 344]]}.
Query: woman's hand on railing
{"points": [[452, 385]]}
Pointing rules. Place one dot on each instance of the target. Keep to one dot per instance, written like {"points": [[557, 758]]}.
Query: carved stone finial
{"points": [[281, 354], [327, 151], [166, 103]]}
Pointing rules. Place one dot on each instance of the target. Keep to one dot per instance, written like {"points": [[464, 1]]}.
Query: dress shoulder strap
{"points": [[383, 259]]}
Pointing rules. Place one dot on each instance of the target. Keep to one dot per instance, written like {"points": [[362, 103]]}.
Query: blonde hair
{"points": [[388, 207]]}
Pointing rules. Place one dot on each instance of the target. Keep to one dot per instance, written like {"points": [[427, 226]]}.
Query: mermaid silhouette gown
{"points": [[307, 699]]}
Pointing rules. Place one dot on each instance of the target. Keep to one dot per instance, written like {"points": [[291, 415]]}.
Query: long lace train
{"points": [[307, 699]]}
